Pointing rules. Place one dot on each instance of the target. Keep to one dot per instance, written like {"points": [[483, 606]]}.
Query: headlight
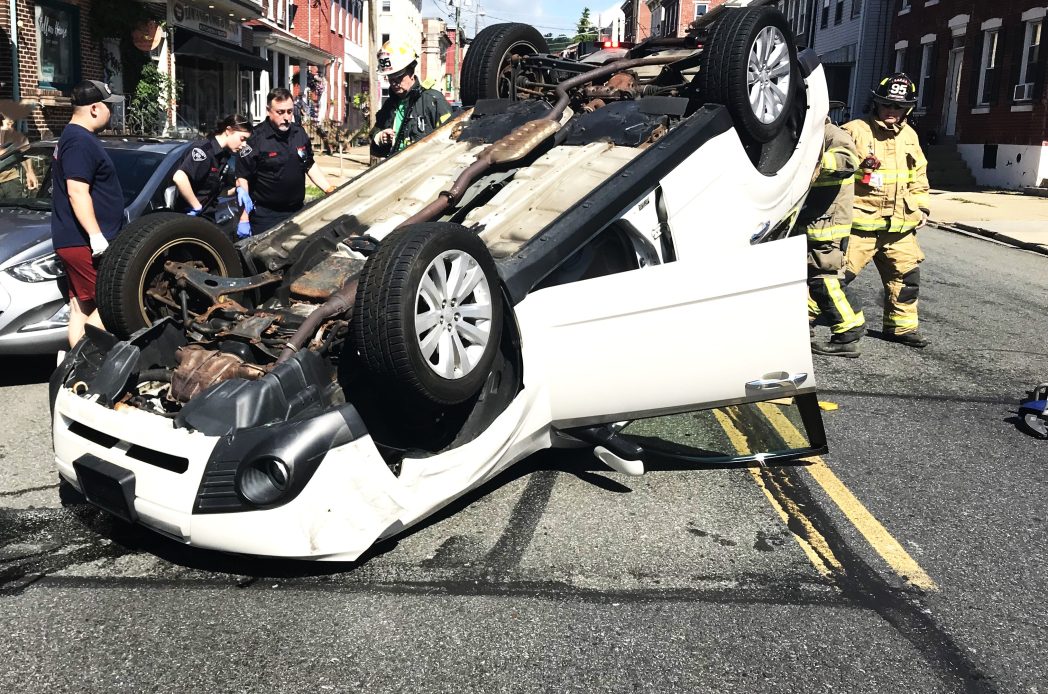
{"points": [[43, 269]]}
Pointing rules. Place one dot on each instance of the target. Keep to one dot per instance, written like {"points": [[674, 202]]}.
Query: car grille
{"points": [[173, 463]]}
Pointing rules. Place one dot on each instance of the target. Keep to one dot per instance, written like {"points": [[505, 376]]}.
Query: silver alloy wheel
{"points": [[768, 74], [453, 314]]}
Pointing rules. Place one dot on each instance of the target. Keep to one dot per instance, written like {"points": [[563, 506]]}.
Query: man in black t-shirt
{"points": [[278, 159], [87, 202]]}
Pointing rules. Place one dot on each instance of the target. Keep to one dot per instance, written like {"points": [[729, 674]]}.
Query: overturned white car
{"points": [[606, 241]]}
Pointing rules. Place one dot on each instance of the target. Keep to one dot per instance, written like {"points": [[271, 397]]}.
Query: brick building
{"points": [[981, 70], [55, 51], [433, 66], [672, 17], [637, 20]]}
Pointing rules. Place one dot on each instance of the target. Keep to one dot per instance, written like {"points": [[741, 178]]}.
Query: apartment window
{"points": [[1031, 53], [924, 84], [856, 8], [904, 5], [701, 8], [988, 67], [838, 15], [825, 22], [802, 16], [672, 19], [900, 60]]}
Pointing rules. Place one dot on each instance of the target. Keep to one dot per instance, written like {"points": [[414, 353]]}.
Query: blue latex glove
{"points": [[243, 230], [244, 200], [194, 213]]}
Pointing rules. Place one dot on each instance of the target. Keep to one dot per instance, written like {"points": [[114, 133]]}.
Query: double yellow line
{"points": [[813, 543]]}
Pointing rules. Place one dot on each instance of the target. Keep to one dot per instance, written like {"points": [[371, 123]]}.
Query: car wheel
{"points": [[750, 66], [428, 312], [133, 288], [487, 67]]}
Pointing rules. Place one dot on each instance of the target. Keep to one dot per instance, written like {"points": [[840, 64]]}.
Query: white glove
{"points": [[98, 244], [924, 220]]}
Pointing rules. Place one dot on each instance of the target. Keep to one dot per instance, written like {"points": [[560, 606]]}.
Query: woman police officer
{"points": [[207, 170]]}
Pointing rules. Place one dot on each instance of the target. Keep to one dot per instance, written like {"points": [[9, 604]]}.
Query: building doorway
{"points": [[953, 88]]}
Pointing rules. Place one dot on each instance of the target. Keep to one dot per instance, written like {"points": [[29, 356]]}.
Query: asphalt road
{"points": [[564, 576]]}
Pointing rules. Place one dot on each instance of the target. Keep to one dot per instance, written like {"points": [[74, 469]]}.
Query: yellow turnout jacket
{"points": [[899, 188]]}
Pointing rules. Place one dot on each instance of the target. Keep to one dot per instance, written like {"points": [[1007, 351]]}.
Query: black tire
{"points": [[725, 77], [134, 263], [485, 69], [383, 328]]}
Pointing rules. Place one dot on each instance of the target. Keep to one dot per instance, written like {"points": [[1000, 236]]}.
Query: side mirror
{"points": [[169, 197]]}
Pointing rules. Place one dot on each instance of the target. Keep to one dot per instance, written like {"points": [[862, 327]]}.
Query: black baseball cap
{"points": [[92, 91]]}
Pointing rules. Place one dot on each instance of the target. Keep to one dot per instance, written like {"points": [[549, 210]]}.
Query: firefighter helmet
{"points": [[394, 58], [896, 90]]}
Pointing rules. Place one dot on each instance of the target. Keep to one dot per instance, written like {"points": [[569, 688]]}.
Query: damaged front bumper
{"points": [[291, 478]]}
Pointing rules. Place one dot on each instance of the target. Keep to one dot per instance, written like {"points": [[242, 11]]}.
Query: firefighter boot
{"points": [[910, 339], [836, 349]]}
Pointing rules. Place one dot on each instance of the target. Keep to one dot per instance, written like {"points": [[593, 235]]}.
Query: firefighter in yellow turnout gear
{"points": [[827, 219], [891, 203]]}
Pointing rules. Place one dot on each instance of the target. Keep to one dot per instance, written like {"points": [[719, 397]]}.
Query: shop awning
{"points": [[203, 47], [278, 40], [355, 66]]}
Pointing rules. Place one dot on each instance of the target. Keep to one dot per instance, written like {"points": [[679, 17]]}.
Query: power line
{"points": [[537, 26]]}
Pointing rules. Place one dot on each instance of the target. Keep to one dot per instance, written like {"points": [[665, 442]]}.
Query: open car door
{"points": [[716, 330]]}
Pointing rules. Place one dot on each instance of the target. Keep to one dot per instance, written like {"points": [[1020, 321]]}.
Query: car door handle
{"points": [[777, 381]]}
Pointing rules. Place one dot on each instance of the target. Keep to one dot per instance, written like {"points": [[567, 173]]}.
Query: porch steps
{"points": [[947, 168]]}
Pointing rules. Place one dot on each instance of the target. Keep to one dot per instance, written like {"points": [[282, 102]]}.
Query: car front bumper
{"points": [[351, 500]]}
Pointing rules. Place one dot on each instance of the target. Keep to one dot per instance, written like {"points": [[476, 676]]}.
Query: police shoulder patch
{"points": [[245, 150], [199, 154]]}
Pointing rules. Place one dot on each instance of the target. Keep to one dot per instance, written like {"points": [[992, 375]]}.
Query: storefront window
{"points": [[57, 38]]}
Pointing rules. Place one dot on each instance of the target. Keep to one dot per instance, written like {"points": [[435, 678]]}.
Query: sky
{"points": [[548, 16]]}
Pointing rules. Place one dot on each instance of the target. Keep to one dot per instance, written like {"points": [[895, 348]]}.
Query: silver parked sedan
{"points": [[33, 308]]}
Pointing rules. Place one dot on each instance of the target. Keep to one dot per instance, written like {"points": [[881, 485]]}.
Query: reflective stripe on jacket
{"points": [[902, 192], [827, 212]]}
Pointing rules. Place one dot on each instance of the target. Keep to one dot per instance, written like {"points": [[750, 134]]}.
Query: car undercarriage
{"points": [[406, 309]]}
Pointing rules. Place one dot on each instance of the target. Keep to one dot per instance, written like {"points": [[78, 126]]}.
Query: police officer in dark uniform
{"points": [[276, 166], [208, 168]]}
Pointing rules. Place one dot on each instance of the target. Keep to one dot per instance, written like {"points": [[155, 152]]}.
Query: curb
{"points": [[969, 230]]}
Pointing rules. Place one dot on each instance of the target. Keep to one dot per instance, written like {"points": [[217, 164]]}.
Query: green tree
{"points": [[154, 94], [585, 29], [558, 44]]}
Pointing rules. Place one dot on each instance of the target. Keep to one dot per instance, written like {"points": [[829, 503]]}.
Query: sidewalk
{"points": [[1006, 216], [342, 167]]}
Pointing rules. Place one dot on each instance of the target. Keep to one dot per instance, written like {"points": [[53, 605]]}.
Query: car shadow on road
{"points": [[26, 370], [138, 539]]}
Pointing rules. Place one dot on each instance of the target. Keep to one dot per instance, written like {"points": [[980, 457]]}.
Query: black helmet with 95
{"points": [[896, 90]]}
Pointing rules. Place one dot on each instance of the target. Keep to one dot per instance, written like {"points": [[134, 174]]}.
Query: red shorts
{"points": [[81, 272]]}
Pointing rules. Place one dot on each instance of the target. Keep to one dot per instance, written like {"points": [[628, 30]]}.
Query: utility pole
{"points": [[374, 91], [458, 49], [476, 20]]}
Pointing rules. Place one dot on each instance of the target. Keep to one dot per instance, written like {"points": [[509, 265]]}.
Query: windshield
{"points": [[25, 176]]}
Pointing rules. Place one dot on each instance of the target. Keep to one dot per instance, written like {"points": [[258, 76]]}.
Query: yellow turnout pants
{"points": [[897, 257]]}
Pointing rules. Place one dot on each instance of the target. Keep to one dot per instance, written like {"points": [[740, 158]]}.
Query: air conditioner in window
{"points": [[1023, 92]]}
